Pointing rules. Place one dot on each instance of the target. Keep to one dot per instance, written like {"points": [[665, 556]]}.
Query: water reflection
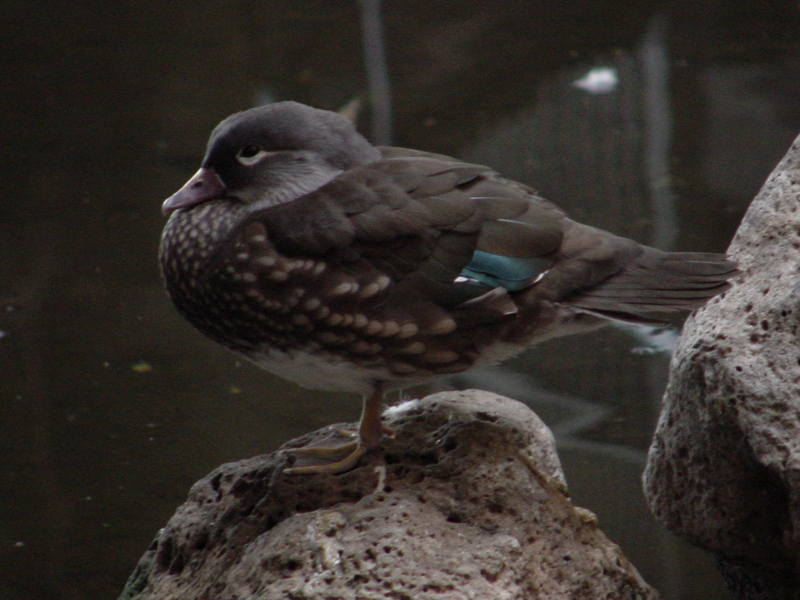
{"points": [[110, 113]]}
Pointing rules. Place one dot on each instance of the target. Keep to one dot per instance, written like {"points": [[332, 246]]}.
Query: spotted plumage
{"points": [[343, 266]]}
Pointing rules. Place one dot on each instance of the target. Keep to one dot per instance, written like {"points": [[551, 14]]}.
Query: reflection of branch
{"points": [[377, 71], [654, 59], [653, 55]]}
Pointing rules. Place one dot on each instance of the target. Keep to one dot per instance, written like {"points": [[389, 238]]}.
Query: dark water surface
{"points": [[658, 121]]}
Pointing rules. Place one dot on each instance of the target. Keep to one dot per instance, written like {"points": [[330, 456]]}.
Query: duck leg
{"points": [[369, 435]]}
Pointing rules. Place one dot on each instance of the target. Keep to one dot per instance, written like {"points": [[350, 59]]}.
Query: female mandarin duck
{"points": [[344, 266]]}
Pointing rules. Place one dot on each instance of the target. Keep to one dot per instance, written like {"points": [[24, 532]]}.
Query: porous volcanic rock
{"points": [[469, 502], [724, 467]]}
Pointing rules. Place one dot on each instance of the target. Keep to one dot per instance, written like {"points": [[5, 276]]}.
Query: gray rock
{"points": [[724, 467], [471, 503]]}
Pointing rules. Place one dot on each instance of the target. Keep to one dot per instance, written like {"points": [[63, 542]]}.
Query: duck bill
{"points": [[204, 185]]}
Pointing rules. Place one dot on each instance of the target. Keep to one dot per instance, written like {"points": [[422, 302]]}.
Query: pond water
{"points": [[657, 121]]}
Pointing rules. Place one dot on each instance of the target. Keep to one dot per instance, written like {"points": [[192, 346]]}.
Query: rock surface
{"points": [[724, 467], [471, 504]]}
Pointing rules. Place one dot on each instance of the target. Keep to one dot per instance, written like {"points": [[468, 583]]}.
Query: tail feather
{"points": [[656, 284]]}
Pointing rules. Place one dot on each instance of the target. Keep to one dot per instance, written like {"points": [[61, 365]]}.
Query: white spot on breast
{"points": [[374, 327], [446, 325], [370, 290], [390, 328], [402, 368], [407, 330], [266, 261], [312, 304], [413, 348], [347, 287]]}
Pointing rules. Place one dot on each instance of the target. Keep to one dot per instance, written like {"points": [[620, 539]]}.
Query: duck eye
{"points": [[249, 151], [250, 154]]}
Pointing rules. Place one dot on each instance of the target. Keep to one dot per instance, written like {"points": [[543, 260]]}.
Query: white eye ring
{"points": [[250, 155]]}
